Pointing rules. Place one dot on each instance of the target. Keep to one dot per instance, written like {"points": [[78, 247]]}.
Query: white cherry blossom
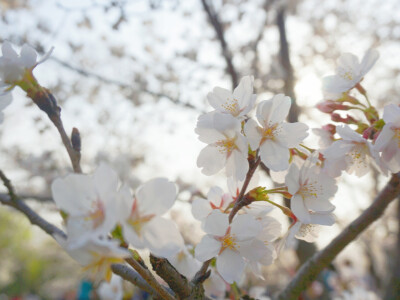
{"points": [[238, 103], [388, 141], [89, 201], [214, 286], [140, 217], [231, 243], [349, 72], [185, 263], [216, 199], [227, 147], [95, 255], [311, 190], [5, 100], [274, 137], [352, 153], [14, 66], [111, 290]]}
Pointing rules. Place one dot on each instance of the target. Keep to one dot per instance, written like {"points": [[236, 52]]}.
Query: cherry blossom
{"points": [[231, 243], [14, 66], [238, 103], [216, 199], [388, 141], [274, 137], [349, 72], [96, 255], [185, 263], [226, 145], [311, 190], [111, 290], [89, 201], [352, 153], [5, 100], [141, 220], [214, 286]]}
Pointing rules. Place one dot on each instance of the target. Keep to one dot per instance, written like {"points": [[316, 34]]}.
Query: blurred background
{"points": [[133, 77]]}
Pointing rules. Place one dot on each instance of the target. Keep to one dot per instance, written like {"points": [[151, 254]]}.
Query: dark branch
{"points": [[310, 270], [218, 27], [287, 66]]}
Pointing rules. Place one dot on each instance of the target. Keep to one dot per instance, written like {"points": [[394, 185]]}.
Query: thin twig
{"points": [[239, 201], [130, 275], [149, 278], [310, 270], [218, 27]]}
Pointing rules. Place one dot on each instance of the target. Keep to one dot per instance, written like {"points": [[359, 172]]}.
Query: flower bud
{"points": [[330, 106]]}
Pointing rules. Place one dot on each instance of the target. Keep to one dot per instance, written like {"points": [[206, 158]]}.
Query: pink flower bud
{"points": [[330, 106], [348, 120]]}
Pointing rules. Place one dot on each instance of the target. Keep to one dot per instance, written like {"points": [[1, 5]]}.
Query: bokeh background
{"points": [[133, 77]]}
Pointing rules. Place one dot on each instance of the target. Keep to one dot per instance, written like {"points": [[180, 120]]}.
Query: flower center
{"points": [[269, 133], [136, 220], [98, 214], [347, 74], [180, 256], [309, 190], [227, 146], [228, 241], [232, 105]]}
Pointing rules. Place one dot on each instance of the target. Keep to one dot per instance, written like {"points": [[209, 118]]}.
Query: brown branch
{"points": [[183, 288], [46, 101], [149, 277], [218, 27], [240, 199], [392, 290], [310, 270], [52, 230], [133, 277], [287, 66]]}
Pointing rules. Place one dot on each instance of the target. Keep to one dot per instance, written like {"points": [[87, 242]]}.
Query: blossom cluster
{"points": [[104, 218]]}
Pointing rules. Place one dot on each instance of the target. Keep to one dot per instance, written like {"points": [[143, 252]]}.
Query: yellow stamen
{"points": [[232, 105]]}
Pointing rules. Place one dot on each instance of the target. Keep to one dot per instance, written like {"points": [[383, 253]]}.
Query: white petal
{"points": [[299, 209], [132, 236], [201, 208], [106, 182], [245, 227], [237, 165], [252, 134], [74, 194], [211, 160], [280, 109], [274, 156], [156, 196], [28, 56], [207, 248], [219, 97], [292, 179], [214, 195], [326, 219], [8, 51], [368, 61], [230, 265], [349, 134], [216, 223], [384, 137], [293, 134], [391, 114], [253, 250], [244, 91], [162, 237]]}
